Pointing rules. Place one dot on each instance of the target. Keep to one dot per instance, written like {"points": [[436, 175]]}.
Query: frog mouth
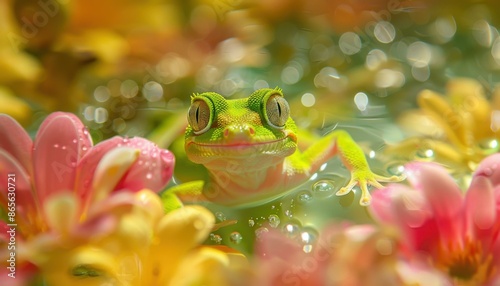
{"points": [[240, 149]]}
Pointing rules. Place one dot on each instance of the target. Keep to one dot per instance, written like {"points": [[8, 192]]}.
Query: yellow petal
{"points": [[111, 169], [454, 125], [177, 233], [61, 212], [467, 97], [83, 266], [151, 204], [205, 266]]}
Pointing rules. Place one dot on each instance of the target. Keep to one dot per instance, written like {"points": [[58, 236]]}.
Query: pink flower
{"points": [[358, 255], [61, 179], [453, 232]]}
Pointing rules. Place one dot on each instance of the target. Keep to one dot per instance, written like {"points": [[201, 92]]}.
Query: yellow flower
{"points": [[457, 130], [146, 248]]}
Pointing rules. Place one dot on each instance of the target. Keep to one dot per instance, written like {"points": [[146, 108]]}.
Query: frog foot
{"points": [[364, 178]]}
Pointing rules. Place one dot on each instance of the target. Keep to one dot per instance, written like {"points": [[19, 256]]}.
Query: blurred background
{"points": [[129, 67]]}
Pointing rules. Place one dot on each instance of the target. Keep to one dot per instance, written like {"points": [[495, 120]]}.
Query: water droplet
{"points": [[220, 216], [84, 148], [289, 213], [63, 147], [425, 154], [75, 141], [291, 230], [149, 176], [304, 196], [56, 145], [308, 235], [235, 237], [251, 222], [274, 220], [307, 248], [217, 239], [396, 168], [323, 189], [489, 145], [260, 231]]}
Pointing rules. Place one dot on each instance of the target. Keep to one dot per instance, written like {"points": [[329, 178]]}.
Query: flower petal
{"points": [[60, 143], [16, 141], [61, 212], [87, 165], [15, 180], [152, 170], [480, 203], [490, 168], [443, 196], [178, 232], [382, 202], [111, 169]]}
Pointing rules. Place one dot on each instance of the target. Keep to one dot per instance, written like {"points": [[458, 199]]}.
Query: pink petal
{"points": [[15, 180], [489, 168], [60, 143], [480, 203], [443, 195], [88, 164], [382, 202], [152, 170], [408, 209], [274, 244], [16, 141]]}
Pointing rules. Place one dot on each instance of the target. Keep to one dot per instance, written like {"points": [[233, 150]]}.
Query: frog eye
{"points": [[277, 111], [199, 116]]}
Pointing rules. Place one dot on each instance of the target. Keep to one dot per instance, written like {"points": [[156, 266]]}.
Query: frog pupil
{"points": [[279, 109], [197, 114]]}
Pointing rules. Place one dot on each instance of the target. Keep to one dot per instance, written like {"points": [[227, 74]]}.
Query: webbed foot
{"points": [[363, 178]]}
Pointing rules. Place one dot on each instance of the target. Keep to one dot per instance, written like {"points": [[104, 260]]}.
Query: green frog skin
{"points": [[249, 147]]}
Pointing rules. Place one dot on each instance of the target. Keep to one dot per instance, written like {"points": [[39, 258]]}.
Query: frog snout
{"points": [[239, 132]]}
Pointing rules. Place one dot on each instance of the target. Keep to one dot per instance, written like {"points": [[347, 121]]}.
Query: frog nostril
{"points": [[226, 132], [251, 131]]}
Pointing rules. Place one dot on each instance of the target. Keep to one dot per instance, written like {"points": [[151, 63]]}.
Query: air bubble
{"points": [[220, 216], [307, 248], [425, 154], [396, 168], [308, 236], [291, 230], [274, 220], [304, 197], [260, 231], [235, 237], [323, 189], [251, 222], [217, 239]]}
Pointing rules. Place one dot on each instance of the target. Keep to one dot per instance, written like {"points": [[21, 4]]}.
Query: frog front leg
{"points": [[340, 142]]}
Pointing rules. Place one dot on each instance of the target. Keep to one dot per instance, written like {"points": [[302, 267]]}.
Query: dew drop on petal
{"points": [[274, 220], [235, 237], [149, 176], [63, 147], [56, 145]]}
